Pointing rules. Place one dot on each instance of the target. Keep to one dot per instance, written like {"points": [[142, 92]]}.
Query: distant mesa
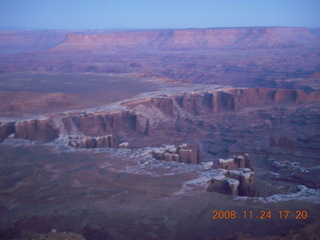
{"points": [[29, 41], [186, 39]]}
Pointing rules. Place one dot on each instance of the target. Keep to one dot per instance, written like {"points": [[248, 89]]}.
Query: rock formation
{"points": [[40, 130], [184, 153], [238, 178], [93, 142], [141, 120], [289, 54], [99, 124], [186, 39], [235, 163], [215, 92], [226, 100], [6, 129]]}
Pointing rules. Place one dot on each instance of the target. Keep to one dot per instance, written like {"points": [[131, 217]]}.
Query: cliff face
{"points": [[99, 124], [228, 100], [143, 117], [39, 130], [5, 130]]}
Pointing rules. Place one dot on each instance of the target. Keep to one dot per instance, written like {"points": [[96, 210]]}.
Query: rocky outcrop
{"points": [[238, 182], [184, 153], [235, 163], [238, 177], [227, 186], [40, 130], [198, 103], [6, 129], [93, 142], [103, 123], [267, 96], [224, 100], [146, 117]]}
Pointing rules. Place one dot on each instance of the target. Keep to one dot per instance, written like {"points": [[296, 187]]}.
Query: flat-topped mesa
{"points": [[224, 100], [184, 153], [147, 117], [183, 39], [187, 39], [119, 124]]}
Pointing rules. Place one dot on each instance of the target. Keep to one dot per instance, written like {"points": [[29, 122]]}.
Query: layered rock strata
{"points": [[6, 129], [39, 130], [93, 142], [141, 122], [188, 39], [184, 153], [238, 178]]}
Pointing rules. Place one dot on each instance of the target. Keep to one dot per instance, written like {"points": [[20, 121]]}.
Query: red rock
{"points": [[184, 153], [6, 129], [40, 130], [93, 142], [189, 153], [186, 39], [99, 124], [133, 123], [238, 180]]}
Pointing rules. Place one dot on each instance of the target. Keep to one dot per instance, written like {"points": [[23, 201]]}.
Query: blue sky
{"points": [[151, 14]]}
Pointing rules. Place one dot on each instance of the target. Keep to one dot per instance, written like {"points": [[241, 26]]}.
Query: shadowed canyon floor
{"points": [[144, 134]]}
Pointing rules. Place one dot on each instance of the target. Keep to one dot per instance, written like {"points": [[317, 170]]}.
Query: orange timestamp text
{"points": [[263, 214]]}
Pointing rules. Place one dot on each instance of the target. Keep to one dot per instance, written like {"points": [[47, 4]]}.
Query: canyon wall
{"points": [[227, 100], [6, 129], [147, 117], [39, 130]]}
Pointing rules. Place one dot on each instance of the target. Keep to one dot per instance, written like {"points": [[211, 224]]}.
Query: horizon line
{"points": [[141, 29]]}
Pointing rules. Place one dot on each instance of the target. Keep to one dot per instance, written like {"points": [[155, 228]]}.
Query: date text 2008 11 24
{"points": [[263, 214]]}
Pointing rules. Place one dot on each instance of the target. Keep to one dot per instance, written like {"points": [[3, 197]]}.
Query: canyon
{"points": [[192, 120]]}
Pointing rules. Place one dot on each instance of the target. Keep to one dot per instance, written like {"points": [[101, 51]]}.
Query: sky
{"points": [[156, 14]]}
